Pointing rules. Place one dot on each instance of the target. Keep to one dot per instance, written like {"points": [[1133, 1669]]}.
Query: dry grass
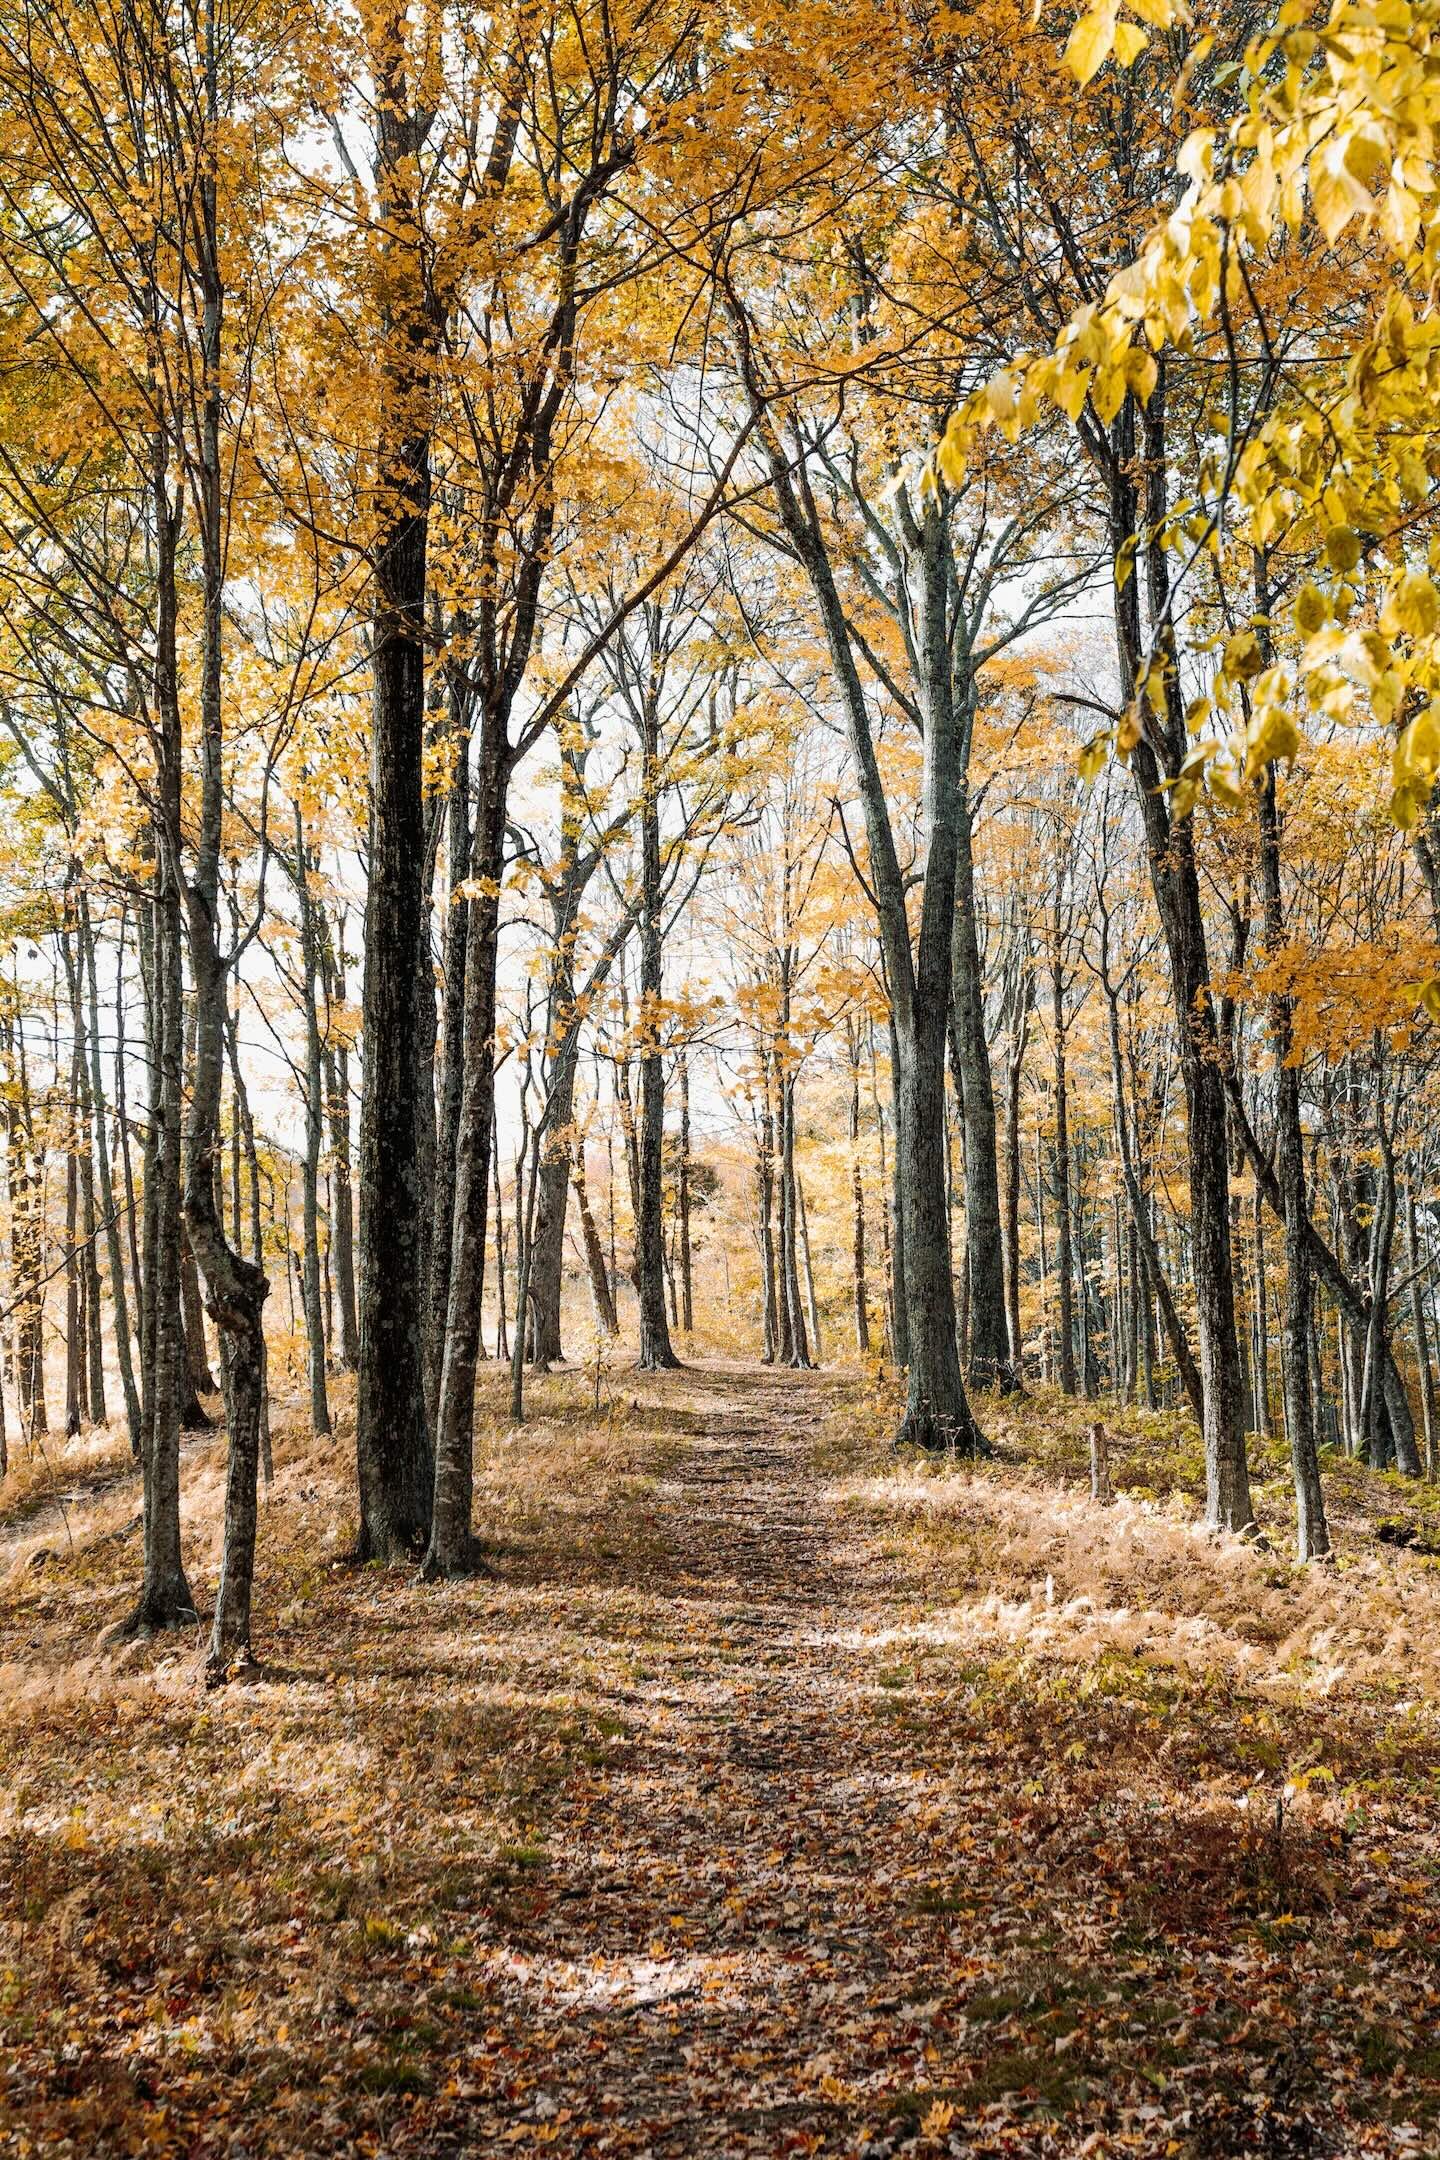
{"points": [[769, 1794]]}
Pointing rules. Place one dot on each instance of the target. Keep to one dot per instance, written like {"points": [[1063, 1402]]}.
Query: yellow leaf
{"points": [[1271, 734], [1343, 547], [1130, 42], [950, 456], [1090, 42], [1311, 611], [1243, 657], [1412, 607], [1000, 396], [1091, 758]]}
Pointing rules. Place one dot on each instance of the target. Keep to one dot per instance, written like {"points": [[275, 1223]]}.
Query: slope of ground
{"points": [[768, 1796]]}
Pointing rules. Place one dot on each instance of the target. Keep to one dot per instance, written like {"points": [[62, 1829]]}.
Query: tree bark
{"points": [[452, 1547], [601, 1295], [119, 1299], [989, 1362], [314, 1136], [859, 1292], [656, 1351], [1064, 1262], [1175, 880], [394, 1457]]}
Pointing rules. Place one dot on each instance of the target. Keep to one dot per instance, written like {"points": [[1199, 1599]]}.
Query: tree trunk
{"points": [[314, 1136], [989, 1355], [601, 1295], [687, 1287], [859, 1292], [814, 1309], [342, 1199], [1015, 1065], [1175, 881], [656, 1352], [1156, 1280], [793, 1331], [1063, 1217], [120, 1304], [765, 1220], [165, 1599], [452, 1548], [1422, 1336], [75, 1315], [394, 1458], [547, 1261]]}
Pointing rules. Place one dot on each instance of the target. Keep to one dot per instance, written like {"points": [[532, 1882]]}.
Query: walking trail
{"points": [[698, 1827]]}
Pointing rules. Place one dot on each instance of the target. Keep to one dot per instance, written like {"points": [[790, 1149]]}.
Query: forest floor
{"points": [[769, 1795]]}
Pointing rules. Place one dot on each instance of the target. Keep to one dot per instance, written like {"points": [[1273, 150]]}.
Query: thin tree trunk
{"points": [[687, 1288], [859, 1292], [1422, 1337], [600, 1292], [1063, 1217], [314, 1135], [809, 1272], [656, 1351], [989, 1362], [1313, 1534], [119, 1299], [342, 1209]]}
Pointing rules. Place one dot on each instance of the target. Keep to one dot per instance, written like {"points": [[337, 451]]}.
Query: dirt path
{"points": [[691, 1832]]}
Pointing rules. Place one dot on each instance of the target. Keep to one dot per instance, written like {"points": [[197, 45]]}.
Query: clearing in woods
{"points": [[768, 1796]]}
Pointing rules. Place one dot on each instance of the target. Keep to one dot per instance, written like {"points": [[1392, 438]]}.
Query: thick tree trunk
{"points": [[394, 1458]]}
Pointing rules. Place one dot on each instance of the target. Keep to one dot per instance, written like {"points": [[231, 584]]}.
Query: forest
{"points": [[719, 1039]]}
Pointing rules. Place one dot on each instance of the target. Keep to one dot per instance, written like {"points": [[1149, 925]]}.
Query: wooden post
{"points": [[1100, 1465]]}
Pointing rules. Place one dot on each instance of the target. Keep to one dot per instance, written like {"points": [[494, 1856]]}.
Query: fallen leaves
{"points": [[732, 1815]]}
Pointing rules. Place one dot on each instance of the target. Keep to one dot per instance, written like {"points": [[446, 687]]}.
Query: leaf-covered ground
{"points": [[768, 1796]]}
